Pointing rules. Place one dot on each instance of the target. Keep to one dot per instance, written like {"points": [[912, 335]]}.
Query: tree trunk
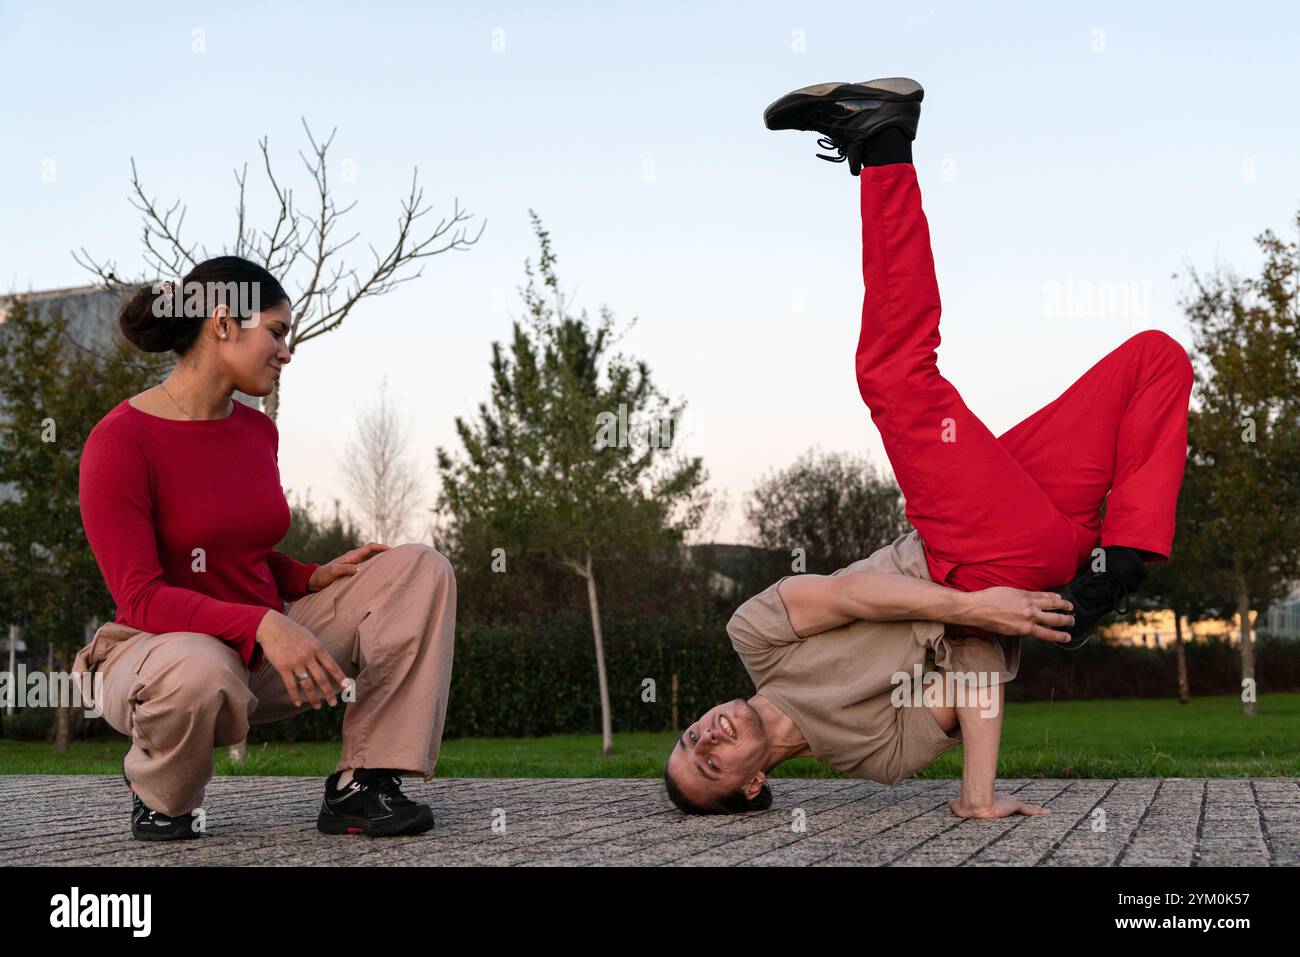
{"points": [[62, 716], [271, 402], [606, 726], [1247, 642], [1184, 688], [675, 718], [13, 651]]}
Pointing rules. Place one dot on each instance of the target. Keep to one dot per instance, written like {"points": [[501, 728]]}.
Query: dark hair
{"points": [[734, 803], [156, 318]]}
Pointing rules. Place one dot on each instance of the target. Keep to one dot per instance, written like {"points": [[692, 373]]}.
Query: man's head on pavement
{"points": [[717, 764]]}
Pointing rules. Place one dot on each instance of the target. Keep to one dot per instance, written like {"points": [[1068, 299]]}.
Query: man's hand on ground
{"points": [[1013, 611], [1004, 805]]}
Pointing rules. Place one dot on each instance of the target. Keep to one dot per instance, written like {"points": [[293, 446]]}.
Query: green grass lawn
{"points": [[1082, 739]]}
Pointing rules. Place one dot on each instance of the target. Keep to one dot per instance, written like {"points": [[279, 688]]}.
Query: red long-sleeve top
{"points": [[181, 516]]}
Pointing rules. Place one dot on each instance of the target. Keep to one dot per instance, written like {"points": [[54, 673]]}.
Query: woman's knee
{"points": [[429, 560], [433, 578]]}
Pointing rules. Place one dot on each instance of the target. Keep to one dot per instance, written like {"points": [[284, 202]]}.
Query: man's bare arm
{"points": [[981, 738], [817, 603]]}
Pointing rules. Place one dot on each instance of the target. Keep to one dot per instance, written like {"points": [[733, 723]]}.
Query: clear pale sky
{"points": [[1065, 154]]}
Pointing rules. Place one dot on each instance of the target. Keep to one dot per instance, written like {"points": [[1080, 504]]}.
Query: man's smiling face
{"points": [[721, 753]]}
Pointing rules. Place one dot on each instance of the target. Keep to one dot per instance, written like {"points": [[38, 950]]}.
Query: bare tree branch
{"points": [[280, 252], [297, 242], [177, 258], [240, 237], [575, 566]]}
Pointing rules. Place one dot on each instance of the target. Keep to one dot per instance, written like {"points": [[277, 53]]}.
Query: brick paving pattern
{"points": [[69, 820]]}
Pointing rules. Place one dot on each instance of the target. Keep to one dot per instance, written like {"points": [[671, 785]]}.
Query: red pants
{"points": [[1022, 509]]}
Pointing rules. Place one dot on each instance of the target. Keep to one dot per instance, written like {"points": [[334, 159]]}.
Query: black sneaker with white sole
{"points": [[150, 825], [371, 803], [849, 114]]}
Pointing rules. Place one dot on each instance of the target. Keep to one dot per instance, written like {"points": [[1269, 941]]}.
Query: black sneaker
{"points": [[150, 825], [849, 113], [372, 803], [1096, 594]]}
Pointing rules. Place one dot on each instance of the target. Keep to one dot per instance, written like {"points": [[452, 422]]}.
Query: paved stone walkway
{"points": [[64, 820]]}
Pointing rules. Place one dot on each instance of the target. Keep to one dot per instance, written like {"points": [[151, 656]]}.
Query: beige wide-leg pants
{"points": [[179, 695]]}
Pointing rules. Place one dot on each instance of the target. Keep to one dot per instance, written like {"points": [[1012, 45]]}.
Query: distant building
{"points": [[91, 312], [1283, 619], [1156, 630]]}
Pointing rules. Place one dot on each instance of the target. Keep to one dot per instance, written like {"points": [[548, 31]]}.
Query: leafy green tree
{"points": [[823, 512], [1246, 433], [570, 461]]}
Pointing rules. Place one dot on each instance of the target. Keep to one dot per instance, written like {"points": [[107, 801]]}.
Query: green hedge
{"points": [[540, 678], [32, 724], [1099, 670]]}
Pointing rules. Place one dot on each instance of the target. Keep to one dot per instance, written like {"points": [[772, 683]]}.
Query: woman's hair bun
{"points": [[156, 319], [145, 326]]}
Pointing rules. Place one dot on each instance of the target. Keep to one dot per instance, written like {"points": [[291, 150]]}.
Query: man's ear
{"points": [[754, 785]]}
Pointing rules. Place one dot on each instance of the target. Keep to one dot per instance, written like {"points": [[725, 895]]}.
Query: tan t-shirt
{"points": [[836, 686]]}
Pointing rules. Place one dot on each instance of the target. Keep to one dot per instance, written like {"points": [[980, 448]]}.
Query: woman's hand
{"points": [[292, 650], [346, 564], [1011, 611], [1004, 805]]}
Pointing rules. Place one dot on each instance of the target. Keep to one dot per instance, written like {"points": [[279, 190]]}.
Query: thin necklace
{"points": [[178, 405]]}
